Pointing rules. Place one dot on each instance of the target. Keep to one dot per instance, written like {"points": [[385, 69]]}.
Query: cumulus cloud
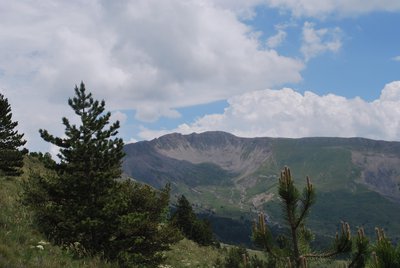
{"points": [[320, 9], [147, 55], [275, 40], [318, 41], [287, 113], [118, 115]]}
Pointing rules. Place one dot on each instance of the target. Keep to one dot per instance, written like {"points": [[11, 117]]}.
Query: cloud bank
{"points": [[146, 55], [150, 56], [287, 113]]}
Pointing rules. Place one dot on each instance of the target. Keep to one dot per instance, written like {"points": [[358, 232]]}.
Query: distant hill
{"points": [[357, 179]]}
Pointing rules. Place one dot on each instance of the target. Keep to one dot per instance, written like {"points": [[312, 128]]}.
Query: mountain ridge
{"points": [[233, 176]]}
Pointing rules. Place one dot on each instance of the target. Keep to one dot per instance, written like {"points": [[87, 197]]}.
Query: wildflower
{"points": [[40, 247]]}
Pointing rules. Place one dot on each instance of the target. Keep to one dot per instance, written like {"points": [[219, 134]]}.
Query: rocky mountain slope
{"points": [[357, 179]]}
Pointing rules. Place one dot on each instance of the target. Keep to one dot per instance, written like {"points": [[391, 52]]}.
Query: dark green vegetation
{"points": [[11, 158], [193, 228], [357, 179], [81, 203]]}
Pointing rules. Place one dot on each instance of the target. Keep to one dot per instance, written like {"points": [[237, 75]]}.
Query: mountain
{"points": [[357, 179]]}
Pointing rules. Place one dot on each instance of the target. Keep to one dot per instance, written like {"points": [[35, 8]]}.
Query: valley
{"points": [[224, 176]]}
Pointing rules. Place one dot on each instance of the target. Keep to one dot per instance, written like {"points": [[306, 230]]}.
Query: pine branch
{"points": [[343, 244], [307, 201]]}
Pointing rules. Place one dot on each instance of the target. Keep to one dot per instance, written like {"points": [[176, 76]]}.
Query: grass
{"points": [[329, 167], [187, 253], [21, 245]]}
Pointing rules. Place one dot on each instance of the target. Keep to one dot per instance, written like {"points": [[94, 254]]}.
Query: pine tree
{"points": [[184, 218], [85, 203], [89, 150], [90, 162], [11, 159], [296, 207]]}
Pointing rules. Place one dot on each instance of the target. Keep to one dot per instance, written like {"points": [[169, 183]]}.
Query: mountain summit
{"points": [[357, 179]]}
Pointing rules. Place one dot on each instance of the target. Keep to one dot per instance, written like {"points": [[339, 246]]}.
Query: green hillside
{"points": [[357, 180], [340, 195]]}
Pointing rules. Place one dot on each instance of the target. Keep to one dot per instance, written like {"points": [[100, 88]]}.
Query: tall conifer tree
{"points": [[89, 152], [90, 163], [85, 203], [11, 159]]}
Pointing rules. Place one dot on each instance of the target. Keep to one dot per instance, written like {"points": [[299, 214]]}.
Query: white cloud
{"points": [[397, 58], [148, 55], [287, 113], [275, 40], [318, 41], [320, 9], [118, 115], [243, 9]]}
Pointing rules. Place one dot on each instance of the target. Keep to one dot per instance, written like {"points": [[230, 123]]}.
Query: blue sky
{"points": [[360, 68], [364, 63], [253, 68]]}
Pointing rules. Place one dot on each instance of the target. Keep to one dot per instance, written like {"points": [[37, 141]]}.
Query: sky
{"points": [[276, 68]]}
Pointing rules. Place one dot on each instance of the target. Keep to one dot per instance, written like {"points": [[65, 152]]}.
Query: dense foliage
{"points": [[11, 158], [184, 218], [86, 204]]}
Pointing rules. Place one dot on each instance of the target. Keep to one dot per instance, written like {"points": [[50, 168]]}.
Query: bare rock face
{"points": [[240, 155], [221, 159], [380, 172]]}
